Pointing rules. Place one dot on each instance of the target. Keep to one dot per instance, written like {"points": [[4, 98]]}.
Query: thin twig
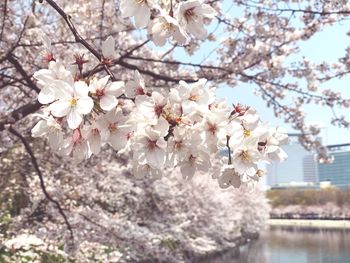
{"points": [[40, 175], [20, 69], [3, 20], [229, 149], [79, 38]]}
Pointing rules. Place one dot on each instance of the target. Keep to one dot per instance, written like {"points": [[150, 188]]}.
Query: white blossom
{"points": [[164, 27], [107, 93], [73, 102], [191, 15], [140, 9]]}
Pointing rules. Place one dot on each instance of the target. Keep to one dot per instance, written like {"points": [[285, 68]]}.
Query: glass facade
{"points": [[338, 172]]}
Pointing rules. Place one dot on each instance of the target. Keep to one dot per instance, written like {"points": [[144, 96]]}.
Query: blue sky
{"points": [[328, 45]]}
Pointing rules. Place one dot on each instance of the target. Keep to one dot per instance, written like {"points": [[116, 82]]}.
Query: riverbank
{"points": [[333, 224]]}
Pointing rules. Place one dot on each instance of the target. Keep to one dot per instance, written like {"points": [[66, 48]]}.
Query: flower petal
{"points": [[84, 105], [108, 102], [60, 108], [81, 89], [74, 119]]}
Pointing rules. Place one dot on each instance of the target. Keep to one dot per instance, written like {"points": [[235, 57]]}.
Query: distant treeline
{"points": [[308, 197]]}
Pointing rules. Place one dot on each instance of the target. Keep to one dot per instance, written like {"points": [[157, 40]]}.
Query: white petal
{"points": [[60, 108], [156, 157], [108, 48], [55, 139], [40, 129], [116, 88], [197, 29], [44, 75], [47, 95], [207, 11], [95, 143], [142, 17], [84, 105], [117, 140], [108, 102], [74, 119], [81, 89], [128, 8]]}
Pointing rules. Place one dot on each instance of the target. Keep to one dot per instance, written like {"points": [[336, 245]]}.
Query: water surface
{"points": [[297, 245]]}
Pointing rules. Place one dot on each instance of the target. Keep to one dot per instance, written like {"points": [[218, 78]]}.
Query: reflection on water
{"points": [[296, 245]]}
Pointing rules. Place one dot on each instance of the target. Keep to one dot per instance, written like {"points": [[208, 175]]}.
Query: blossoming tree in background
{"points": [[101, 74]]}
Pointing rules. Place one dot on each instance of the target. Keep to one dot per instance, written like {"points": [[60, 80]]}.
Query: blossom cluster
{"points": [[184, 127], [182, 19]]}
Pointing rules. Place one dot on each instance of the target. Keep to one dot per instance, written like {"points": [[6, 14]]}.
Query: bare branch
{"points": [[19, 113], [20, 69], [40, 175]]}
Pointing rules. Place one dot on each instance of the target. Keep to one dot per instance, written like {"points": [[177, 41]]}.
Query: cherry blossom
{"points": [[107, 93], [108, 49], [191, 15], [136, 86], [141, 9], [164, 27], [73, 102]]}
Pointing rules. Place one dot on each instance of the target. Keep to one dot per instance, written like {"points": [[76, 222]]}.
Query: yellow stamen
{"points": [[112, 127], [247, 133], [245, 156], [73, 102], [167, 26], [193, 98]]}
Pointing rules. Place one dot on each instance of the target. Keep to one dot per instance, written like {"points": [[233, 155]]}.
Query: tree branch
{"points": [[19, 113], [40, 175], [20, 69]]}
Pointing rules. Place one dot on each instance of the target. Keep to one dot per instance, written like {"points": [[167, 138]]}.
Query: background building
{"points": [[290, 170], [310, 169], [338, 172], [302, 170]]}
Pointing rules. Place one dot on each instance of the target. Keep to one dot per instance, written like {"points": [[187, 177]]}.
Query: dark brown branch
{"points": [[134, 49], [150, 73], [3, 20], [228, 149], [19, 113], [41, 178], [21, 70]]}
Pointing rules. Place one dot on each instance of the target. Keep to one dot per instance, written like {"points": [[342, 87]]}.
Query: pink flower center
{"points": [[95, 131], [189, 13], [151, 145], [139, 91], [192, 159], [178, 145], [158, 109], [112, 127], [100, 92], [212, 128]]}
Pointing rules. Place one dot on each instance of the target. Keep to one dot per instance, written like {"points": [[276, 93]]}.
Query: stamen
{"points": [[73, 102]]}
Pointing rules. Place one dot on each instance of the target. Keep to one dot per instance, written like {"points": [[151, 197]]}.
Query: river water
{"points": [[297, 245]]}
